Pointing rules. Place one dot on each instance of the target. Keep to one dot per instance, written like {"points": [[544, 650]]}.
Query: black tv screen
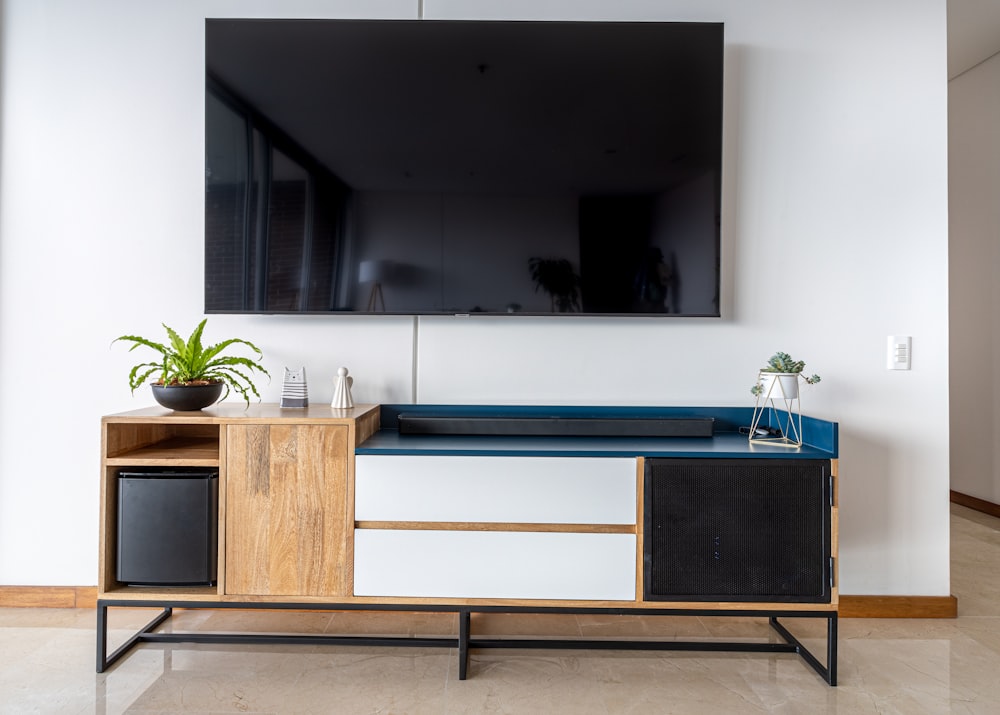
{"points": [[426, 167]]}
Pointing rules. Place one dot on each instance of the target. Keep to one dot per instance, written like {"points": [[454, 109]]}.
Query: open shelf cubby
{"points": [[144, 444]]}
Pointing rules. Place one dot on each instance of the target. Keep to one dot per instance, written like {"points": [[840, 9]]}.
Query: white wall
{"points": [[974, 228], [835, 235]]}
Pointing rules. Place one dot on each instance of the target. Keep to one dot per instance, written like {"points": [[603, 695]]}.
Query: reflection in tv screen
{"points": [[451, 167]]}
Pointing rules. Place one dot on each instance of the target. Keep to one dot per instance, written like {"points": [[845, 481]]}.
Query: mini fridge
{"points": [[167, 526]]}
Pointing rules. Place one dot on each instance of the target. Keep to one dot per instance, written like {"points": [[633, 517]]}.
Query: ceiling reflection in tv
{"points": [[452, 167]]}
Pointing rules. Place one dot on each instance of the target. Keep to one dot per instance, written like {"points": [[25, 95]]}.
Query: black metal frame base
{"points": [[465, 641]]}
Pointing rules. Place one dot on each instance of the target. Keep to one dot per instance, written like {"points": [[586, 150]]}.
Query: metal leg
{"points": [[829, 671], [105, 661], [102, 637], [463, 644], [465, 641], [831, 648]]}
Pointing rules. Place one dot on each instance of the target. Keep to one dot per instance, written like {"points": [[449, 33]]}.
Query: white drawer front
{"points": [[552, 490], [492, 564]]}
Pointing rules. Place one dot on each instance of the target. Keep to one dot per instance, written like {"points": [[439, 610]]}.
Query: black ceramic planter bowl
{"points": [[187, 398]]}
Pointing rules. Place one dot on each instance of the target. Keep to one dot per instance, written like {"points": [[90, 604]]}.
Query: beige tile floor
{"points": [[886, 666]]}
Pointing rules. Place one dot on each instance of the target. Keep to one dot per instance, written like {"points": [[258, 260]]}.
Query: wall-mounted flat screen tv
{"points": [[425, 167]]}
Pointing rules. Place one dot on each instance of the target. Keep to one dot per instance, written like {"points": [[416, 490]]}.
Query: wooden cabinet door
{"points": [[287, 510]]}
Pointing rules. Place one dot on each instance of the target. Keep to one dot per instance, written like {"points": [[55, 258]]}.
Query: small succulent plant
{"points": [[783, 363]]}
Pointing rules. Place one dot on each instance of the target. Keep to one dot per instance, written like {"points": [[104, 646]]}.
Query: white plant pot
{"points": [[785, 385]]}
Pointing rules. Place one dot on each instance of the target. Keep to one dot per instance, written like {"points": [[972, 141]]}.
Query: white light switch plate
{"points": [[899, 352]]}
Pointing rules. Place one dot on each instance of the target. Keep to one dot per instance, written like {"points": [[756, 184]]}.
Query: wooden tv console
{"points": [[321, 508]]}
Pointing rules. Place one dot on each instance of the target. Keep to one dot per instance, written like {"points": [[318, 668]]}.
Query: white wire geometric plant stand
{"points": [[780, 398]]}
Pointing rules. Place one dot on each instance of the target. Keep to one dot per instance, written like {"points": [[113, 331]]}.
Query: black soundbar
{"points": [[558, 426]]}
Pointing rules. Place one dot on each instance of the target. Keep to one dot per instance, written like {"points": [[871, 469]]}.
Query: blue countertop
{"points": [[820, 436], [726, 445]]}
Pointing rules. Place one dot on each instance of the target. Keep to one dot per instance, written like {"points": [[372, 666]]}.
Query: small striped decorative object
{"points": [[293, 391]]}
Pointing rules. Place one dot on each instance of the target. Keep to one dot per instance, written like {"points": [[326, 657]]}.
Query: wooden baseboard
{"points": [[48, 596], [850, 606], [898, 607], [987, 507]]}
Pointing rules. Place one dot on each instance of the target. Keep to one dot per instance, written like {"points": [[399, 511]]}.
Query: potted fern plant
{"points": [[779, 378], [191, 376]]}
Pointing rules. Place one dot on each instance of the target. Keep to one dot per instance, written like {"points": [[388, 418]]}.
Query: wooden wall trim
{"points": [[850, 606], [986, 507], [898, 607], [48, 596]]}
